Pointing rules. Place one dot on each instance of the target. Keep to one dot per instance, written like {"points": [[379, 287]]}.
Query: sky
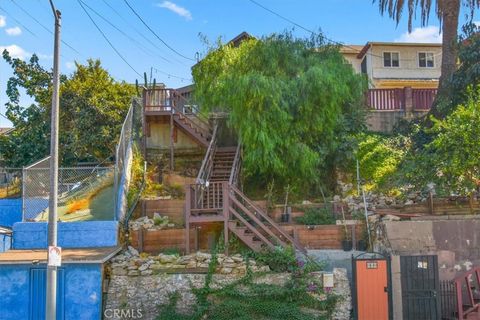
{"points": [[182, 25]]}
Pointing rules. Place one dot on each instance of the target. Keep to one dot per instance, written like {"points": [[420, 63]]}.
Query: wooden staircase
{"points": [[215, 197], [222, 164], [161, 102], [199, 132]]}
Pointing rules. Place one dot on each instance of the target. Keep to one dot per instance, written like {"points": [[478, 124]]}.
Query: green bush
{"points": [[279, 260], [316, 216], [379, 157]]}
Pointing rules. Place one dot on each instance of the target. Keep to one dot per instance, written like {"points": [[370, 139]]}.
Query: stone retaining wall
{"points": [[136, 292]]}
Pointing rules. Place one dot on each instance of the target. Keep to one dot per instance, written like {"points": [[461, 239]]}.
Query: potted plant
{"points": [[362, 243]]}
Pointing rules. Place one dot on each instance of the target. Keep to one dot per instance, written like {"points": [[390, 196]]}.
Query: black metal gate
{"points": [[420, 287]]}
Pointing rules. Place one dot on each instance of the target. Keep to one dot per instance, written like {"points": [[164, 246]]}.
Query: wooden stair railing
{"points": [[168, 101], [282, 237], [464, 285], [207, 163], [236, 167]]}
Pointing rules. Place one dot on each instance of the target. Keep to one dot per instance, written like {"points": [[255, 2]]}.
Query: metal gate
{"points": [[371, 287], [38, 289], [420, 287]]}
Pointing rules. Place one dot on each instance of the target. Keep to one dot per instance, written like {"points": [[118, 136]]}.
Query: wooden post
{"points": [[226, 218], [430, 203], [196, 239], [144, 124], [188, 204], [141, 236], [171, 138], [408, 96]]}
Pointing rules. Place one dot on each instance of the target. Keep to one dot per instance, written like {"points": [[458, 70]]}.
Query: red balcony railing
{"points": [[401, 99]]}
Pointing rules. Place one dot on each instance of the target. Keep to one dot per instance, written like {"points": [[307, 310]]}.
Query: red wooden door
{"points": [[371, 289]]}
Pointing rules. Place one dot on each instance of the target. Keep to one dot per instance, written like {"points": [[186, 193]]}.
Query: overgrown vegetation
{"points": [[301, 297], [299, 107], [316, 216], [440, 153]]}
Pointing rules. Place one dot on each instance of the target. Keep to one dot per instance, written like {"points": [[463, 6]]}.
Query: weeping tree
{"points": [[296, 104], [447, 11]]}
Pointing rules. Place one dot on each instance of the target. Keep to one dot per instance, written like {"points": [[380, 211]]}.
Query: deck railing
{"points": [[401, 99], [169, 101], [467, 299], [386, 99]]}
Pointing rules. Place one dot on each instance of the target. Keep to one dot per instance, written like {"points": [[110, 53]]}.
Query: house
{"points": [[402, 77], [397, 64]]}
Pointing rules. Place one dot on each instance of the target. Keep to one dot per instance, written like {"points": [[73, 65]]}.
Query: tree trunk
{"points": [[450, 16]]}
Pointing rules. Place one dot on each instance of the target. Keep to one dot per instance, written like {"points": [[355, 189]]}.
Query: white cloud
{"points": [[15, 31], [181, 11], [3, 21], [425, 35], [44, 56], [15, 51], [70, 65], [477, 23]]}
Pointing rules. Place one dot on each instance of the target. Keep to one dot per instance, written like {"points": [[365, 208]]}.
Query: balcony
{"points": [[401, 99]]}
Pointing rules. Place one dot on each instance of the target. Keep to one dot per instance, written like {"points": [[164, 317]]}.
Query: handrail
{"points": [[235, 167], [267, 218], [204, 171], [465, 279], [257, 221], [251, 228]]}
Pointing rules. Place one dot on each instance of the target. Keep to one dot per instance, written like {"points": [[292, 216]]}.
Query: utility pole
{"points": [[51, 307]]}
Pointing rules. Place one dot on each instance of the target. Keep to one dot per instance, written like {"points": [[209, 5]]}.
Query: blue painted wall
{"points": [[10, 212], [82, 291], [87, 234]]}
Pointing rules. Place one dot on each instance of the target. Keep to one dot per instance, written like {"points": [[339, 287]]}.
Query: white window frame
{"points": [[383, 59], [426, 61]]}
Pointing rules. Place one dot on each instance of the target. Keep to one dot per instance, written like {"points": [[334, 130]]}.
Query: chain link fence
{"points": [[130, 138], [10, 183], [84, 193]]}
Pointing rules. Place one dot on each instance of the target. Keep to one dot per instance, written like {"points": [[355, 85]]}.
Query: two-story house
{"points": [[403, 79]]}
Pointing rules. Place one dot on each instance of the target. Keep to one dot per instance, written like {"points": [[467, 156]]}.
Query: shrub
{"points": [[316, 216]]}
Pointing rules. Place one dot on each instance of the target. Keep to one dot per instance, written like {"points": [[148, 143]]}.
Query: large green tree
{"points": [[447, 11], [296, 104], [92, 108]]}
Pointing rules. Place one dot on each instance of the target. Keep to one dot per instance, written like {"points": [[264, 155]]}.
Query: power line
{"points": [[144, 49], [133, 27], [43, 26], [308, 30], [155, 34], [18, 22], [170, 75], [80, 2]]}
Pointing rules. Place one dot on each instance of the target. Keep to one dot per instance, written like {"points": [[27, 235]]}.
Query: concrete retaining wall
{"points": [[456, 242]]}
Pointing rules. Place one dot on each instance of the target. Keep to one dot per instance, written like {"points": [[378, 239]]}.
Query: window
{"points": [[363, 66], [426, 60], [391, 59]]}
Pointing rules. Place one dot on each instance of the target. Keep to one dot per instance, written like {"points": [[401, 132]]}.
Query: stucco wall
{"points": [[33, 235], [354, 61], [10, 212], [160, 137], [409, 68], [385, 121], [82, 289], [456, 242]]}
